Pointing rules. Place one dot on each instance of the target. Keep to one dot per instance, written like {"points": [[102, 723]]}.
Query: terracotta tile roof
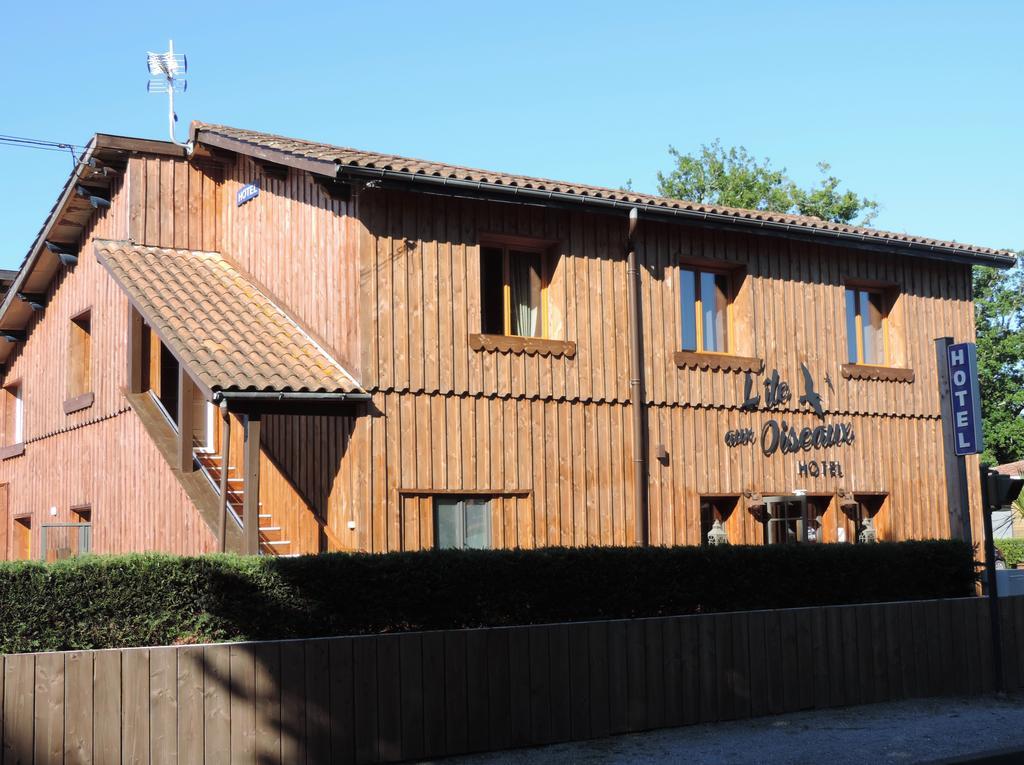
{"points": [[226, 331], [346, 157]]}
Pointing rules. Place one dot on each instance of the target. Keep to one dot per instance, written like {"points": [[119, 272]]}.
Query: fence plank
{"points": [[636, 675], [893, 671], [984, 644], [433, 694], [217, 703], [579, 682], [598, 680], [135, 705], [618, 678], [410, 654], [725, 703], [1009, 643], [49, 708], [342, 704], [908, 650], [389, 700], [19, 698], [191, 719], [364, 662], [242, 708], [477, 690], [163, 705], [673, 667], [818, 660], [654, 680], [519, 686], [836, 659], [268, 703], [741, 664], [708, 703], [559, 683], [1018, 625], [758, 663], [106, 694], [318, 701], [947, 670], [879, 650], [773, 660], [455, 729], [851, 649], [293, 703], [540, 686], [78, 710], [790, 662]]}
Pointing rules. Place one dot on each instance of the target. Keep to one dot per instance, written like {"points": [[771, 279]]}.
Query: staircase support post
{"points": [[251, 497], [186, 414], [225, 451]]}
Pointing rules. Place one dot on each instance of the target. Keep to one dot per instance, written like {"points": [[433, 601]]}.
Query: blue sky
{"points": [[917, 105]]}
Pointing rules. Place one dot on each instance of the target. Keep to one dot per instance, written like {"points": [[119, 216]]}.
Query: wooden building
{"points": [[277, 345]]}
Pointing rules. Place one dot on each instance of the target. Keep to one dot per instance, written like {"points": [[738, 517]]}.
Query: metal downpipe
{"points": [[636, 384]]}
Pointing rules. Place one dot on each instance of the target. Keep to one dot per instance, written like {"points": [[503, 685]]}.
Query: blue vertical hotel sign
{"points": [[965, 401]]}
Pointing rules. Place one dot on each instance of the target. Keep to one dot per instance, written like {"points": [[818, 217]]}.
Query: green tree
{"points": [[999, 319], [733, 178]]}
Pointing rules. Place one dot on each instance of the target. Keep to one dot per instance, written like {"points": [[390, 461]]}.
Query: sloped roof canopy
{"points": [[234, 340], [345, 163]]}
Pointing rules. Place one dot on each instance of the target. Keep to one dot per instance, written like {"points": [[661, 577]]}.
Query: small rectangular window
{"points": [[13, 414], [462, 523], [80, 356], [513, 291], [866, 327], [22, 538], [704, 299]]}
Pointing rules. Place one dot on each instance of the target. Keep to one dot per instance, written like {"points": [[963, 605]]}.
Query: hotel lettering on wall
{"points": [[776, 435]]}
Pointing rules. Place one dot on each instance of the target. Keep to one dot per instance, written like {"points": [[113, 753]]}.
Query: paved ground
{"points": [[918, 731]]}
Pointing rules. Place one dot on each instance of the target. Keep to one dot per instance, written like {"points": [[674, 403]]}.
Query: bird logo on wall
{"points": [[810, 396]]}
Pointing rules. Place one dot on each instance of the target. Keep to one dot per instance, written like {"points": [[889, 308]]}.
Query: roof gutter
{"points": [[482, 189], [263, 396]]}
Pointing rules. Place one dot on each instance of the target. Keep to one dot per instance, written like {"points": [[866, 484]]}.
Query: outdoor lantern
{"points": [[717, 535], [1003, 489]]}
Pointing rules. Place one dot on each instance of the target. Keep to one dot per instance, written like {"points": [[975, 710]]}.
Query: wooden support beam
{"points": [[251, 496], [135, 354], [186, 413], [225, 451]]}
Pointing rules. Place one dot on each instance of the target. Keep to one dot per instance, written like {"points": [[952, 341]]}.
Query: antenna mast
{"points": [[167, 75]]}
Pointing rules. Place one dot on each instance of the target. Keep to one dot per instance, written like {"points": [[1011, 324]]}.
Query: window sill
{"points": [[78, 403], [718, 362], [14, 450], [871, 372], [531, 346]]}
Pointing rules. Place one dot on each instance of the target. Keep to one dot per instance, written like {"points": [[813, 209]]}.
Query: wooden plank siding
{"points": [[388, 282], [388, 698]]}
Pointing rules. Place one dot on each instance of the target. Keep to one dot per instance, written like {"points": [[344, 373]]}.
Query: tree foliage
{"points": [[999, 319], [733, 178]]}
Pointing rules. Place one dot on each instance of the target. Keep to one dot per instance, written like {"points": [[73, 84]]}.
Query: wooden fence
{"points": [[406, 696]]}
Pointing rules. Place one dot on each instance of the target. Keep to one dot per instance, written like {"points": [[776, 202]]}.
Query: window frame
{"points": [[507, 246], [730, 298], [885, 302], [16, 434], [79, 360], [462, 500]]}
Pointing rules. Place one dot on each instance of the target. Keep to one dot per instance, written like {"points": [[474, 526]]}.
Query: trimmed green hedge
{"points": [[101, 602], [1012, 550]]}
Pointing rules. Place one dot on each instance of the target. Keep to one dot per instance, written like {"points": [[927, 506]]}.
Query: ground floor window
{"points": [[462, 523], [715, 511], [22, 549]]}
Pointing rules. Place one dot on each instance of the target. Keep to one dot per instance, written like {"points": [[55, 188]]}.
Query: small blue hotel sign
{"points": [[247, 193], [965, 401]]}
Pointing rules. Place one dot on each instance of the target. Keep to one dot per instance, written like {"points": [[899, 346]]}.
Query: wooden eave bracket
{"points": [[718, 362], [882, 374], [530, 346]]}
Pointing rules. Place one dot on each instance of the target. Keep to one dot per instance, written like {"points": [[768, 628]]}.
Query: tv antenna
{"points": [[167, 75]]}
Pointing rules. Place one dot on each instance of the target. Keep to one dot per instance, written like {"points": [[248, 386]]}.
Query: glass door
{"points": [[786, 520]]}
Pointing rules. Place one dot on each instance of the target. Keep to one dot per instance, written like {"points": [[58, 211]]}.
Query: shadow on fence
{"points": [[384, 698]]}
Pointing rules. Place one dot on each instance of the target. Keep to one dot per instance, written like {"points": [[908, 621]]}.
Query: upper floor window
{"points": [[513, 291], [462, 523], [13, 414], [80, 356], [866, 318], [705, 298]]}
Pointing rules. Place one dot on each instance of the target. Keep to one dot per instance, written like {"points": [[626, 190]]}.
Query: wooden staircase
{"points": [[271, 535]]}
